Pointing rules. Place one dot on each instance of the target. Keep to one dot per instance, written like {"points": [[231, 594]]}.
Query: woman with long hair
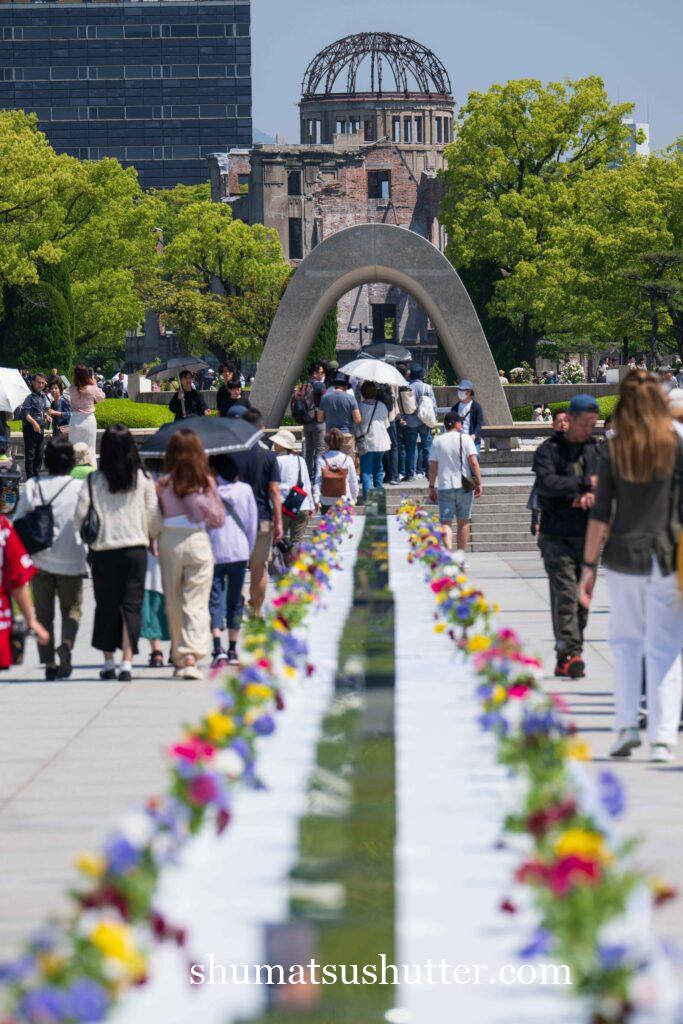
{"points": [[125, 501], [636, 517], [84, 394], [190, 506]]}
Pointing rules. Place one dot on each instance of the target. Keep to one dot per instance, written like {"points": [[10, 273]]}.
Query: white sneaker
{"points": [[661, 753], [626, 741], [192, 672]]}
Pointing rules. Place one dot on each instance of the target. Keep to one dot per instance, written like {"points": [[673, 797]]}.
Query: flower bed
{"points": [[77, 970], [579, 873]]}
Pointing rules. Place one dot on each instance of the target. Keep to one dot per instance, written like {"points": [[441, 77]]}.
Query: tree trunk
{"points": [[529, 341], [653, 355]]}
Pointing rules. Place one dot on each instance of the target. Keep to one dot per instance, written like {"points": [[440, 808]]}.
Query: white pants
{"points": [[83, 429], [646, 621]]}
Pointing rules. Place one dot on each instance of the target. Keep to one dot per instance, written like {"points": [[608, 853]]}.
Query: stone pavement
{"points": [[655, 793], [75, 755]]}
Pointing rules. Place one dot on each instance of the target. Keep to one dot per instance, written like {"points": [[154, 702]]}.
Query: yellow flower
{"points": [[578, 749], [251, 716], [91, 864], [499, 694], [478, 643], [581, 843], [300, 566], [50, 963], [461, 579], [219, 726], [440, 627], [259, 691], [482, 605], [116, 941], [289, 672], [495, 607], [279, 627]]}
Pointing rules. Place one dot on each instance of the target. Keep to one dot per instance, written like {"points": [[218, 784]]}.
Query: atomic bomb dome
{"points": [[378, 86]]}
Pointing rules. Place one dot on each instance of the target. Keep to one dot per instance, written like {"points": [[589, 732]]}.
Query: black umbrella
{"points": [[218, 436], [173, 367], [386, 350]]}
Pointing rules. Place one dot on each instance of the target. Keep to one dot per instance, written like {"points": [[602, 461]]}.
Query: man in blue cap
{"points": [[470, 412], [566, 467]]}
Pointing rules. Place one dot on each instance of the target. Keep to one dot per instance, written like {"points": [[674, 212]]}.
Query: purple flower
{"points": [[264, 726], [242, 747], [542, 722], [251, 675], [16, 970], [493, 720], [120, 854], [484, 691], [611, 957], [612, 796], [45, 1006], [540, 945], [89, 1001]]}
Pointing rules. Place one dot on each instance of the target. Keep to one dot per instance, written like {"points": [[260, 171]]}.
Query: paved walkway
{"points": [[655, 793], [75, 755]]}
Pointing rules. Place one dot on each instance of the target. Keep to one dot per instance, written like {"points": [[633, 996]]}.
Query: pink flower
{"points": [[193, 749], [519, 690], [202, 790]]}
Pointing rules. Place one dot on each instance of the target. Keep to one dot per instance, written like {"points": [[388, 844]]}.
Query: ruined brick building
{"points": [[376, 113]]}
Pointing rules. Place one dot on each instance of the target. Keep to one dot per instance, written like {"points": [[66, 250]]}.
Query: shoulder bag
{"points": [[469, 482], [291, 506], [36, 528], [362, 439], [90, 527]]}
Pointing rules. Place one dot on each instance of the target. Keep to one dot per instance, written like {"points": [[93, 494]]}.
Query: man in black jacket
{"points": [[187, 401], [566, 476]]}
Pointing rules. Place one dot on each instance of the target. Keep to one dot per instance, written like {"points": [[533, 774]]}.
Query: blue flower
{"points": [[16, 970], [242, 748], [540, 945], [120, 854], [264, 725], [612, 795], [89, 1001], [45, 1006], [611, 957]]}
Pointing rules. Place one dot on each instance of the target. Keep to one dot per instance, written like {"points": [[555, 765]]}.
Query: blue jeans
{"points": [[412, 461], [226, 603], [371, 471]]}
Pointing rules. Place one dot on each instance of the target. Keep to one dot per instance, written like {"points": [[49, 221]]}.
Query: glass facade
{"points": [[158, 84]]}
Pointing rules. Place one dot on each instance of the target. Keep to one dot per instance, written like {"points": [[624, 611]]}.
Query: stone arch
{"points": [[367, 254]]}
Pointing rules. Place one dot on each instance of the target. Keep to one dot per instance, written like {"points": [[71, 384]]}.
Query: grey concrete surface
{"points": [[654, 792], [360, 255]]}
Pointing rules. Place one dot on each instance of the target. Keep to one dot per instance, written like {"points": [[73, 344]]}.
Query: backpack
{"points": [[426, 412], [333, 480], [36, 528], [303, 404], [407, 402]]}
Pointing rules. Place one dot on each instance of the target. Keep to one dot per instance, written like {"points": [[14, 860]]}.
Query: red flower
{"points": [[508, 907], [562, 875], [542, 821], [202, 790], [222, 821]]}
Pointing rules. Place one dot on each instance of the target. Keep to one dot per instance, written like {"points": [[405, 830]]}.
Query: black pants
{"points": [[119, 584], [34, 446], [562, 557]]}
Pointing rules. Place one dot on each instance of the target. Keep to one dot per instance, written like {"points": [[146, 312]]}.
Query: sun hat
{"points": [[583, 403], [332, 364], [466, 385], [285, 439]]}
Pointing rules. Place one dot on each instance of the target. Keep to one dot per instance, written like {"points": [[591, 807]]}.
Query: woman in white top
{"points": [[335, 472], [372, 438], [125, 500], [62, 566], [293, 474]]}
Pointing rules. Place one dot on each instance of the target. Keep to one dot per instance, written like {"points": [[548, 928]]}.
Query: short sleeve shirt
{"points": [[259, 468], [451, 452], [339, 407]]}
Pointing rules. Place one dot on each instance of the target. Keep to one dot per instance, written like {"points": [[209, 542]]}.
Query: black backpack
{"points": [[36, 528], [303, 404]]}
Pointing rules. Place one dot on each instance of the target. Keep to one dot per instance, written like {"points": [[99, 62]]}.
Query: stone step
{"points": [[508, 522], [501, 546]]}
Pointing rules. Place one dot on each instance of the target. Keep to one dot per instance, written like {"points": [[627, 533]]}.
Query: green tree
{"points": [[519, 150], [221, 280], [325, 345], [37, 328]]}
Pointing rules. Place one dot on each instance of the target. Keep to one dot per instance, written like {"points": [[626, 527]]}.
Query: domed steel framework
{"points": [[413, 67]]}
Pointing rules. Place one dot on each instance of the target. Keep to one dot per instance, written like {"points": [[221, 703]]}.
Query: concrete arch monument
{"points": [[366, 254]]}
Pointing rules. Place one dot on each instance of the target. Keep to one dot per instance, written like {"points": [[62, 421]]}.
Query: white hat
{"points": [[83, 454], [285, 439]]}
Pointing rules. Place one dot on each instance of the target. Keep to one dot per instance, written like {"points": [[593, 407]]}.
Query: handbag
{"points": [[333, 480], [90, 527], [362, 439], [469, 482], [36, 528], [291, 506], [407, 402]]}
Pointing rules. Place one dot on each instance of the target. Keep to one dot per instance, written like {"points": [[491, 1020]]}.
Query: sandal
{"points": [[156, 659]]}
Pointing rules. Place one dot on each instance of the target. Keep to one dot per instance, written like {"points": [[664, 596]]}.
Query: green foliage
{"points": [[607, 406], [131, 414], [37, 328], [325, 345], [436, 376], [446, 365], [519, 151]]}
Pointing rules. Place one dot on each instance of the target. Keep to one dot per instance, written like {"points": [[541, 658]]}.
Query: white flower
{"points": [[138, 828], [228, 762]]}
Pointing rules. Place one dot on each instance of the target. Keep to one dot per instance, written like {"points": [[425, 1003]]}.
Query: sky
{"points": [[633, 44]]}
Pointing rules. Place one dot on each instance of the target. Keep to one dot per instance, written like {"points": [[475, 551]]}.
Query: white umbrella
{"points": [[374, 370], [13, 389]]}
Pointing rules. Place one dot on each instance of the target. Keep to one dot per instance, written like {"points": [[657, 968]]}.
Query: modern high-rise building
{"points": [[158, 84]]}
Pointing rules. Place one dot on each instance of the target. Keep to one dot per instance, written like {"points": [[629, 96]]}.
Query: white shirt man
{"points": [[454, 454]]}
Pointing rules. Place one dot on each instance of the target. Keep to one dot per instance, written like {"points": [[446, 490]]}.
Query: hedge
{"points": [[524, 413], [124, 410]]}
